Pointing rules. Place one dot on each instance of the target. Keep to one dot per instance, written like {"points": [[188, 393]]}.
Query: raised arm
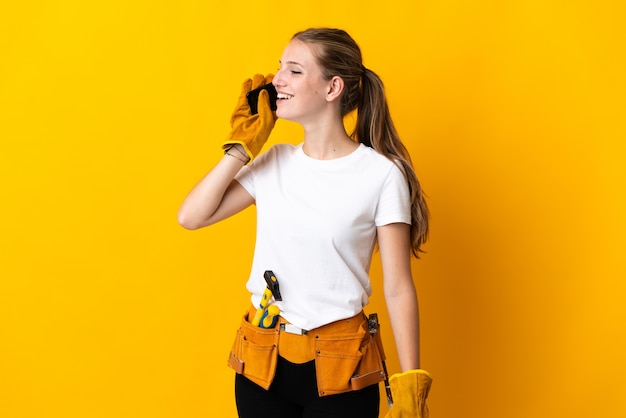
{"points": [[218, 196]]}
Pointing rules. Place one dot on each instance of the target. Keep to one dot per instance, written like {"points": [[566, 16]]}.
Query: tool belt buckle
{"points": [[292, 329]]}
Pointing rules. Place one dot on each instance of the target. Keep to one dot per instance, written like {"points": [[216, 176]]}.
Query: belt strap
{"points": [[292, 329]]}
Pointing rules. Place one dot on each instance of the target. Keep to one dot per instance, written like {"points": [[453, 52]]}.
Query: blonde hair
{"points": [[339, 55]]}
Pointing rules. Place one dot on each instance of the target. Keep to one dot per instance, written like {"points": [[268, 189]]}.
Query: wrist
{"points": [[412, 372], [236, 153], [241, 151]]}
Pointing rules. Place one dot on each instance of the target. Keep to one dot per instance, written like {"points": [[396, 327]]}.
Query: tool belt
{"points": [[347, 357]]}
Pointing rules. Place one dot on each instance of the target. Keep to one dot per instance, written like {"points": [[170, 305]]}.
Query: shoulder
{"points": [[276, 153], [283, 149], [377, 161]]}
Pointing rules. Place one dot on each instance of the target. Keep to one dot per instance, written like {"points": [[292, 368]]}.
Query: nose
{"points": [[278, 78]]}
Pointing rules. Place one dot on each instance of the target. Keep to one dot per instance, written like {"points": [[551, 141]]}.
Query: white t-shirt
{"points": [[316, 228]]}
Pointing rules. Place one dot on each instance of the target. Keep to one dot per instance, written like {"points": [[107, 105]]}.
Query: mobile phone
{"points": [[253, 97]]}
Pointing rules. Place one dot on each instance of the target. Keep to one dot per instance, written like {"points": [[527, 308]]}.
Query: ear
{"points": [[335, 88]]}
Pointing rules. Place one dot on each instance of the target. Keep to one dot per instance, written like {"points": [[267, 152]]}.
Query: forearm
{"points": [[400, 295], [205, 198], [404, 315]]}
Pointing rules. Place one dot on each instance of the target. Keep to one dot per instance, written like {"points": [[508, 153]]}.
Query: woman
{"points": [[322, 207]]}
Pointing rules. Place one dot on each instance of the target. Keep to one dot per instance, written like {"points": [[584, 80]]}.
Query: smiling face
{"points": [[302, 90]]}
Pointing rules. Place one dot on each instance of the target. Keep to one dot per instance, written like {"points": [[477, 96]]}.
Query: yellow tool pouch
{"points": [[346, 361], [347, 357], [255, 352]]}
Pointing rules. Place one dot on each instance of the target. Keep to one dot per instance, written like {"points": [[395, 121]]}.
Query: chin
{"points": [[283, 115]]}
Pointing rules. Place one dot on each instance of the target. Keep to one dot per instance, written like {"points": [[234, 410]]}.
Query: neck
{"points": [[327, 141]]}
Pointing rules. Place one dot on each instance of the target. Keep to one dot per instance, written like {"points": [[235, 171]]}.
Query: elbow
{"points": [[187, 222]]}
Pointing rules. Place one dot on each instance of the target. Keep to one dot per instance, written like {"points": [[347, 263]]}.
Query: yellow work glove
{"points": [[251, 131], [409, 390]]}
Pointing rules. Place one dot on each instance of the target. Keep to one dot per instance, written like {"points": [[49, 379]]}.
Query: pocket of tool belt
{"points": [[346, 362], [255, 352]]}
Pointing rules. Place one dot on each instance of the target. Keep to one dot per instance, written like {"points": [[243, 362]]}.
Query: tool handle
{"points": [[269, 318], [265, 300]]}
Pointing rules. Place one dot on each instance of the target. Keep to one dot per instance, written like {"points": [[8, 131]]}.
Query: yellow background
{"points": [[111, 110]]}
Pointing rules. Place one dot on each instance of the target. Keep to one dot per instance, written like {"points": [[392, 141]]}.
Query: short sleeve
{"points": [[394, 204]]}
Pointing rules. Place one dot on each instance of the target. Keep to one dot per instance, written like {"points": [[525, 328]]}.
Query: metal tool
{"points": [[372, 323], [272, 289]]}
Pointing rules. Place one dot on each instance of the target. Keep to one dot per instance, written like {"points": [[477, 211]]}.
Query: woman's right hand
{"points": [[251, 131]]}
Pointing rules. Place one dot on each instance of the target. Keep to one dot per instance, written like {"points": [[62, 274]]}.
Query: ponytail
{"points": [[375, 128]]}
